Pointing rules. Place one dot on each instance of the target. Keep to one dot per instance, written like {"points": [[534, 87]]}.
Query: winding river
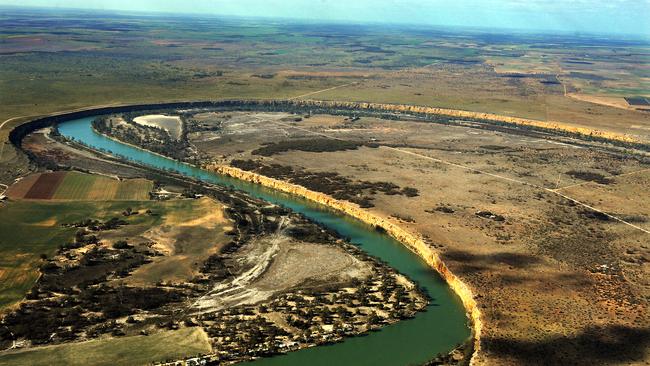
{"points": [[410, 342]]}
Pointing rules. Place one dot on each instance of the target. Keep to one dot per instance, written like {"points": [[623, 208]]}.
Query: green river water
{"points": [[410, 342]]}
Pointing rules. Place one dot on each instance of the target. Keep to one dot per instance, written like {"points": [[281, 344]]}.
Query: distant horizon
{"points": [[504, 24]]}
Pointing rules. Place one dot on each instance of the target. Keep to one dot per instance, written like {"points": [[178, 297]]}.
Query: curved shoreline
{"points": [[420, 248], [19, 131], [410, 240], [460, 314], [133, 146]]}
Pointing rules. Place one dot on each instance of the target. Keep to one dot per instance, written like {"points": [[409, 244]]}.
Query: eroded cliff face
{"points": [[550, 125], [411, 240]]}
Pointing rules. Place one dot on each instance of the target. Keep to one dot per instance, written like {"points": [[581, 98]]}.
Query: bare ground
{"points": [[277, 264]]}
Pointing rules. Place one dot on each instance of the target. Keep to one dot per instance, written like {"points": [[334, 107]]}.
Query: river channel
{"points": [[410, 342]]}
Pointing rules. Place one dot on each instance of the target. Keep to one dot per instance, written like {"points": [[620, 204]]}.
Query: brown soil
{"points": [[45, 186], [20, 188]]}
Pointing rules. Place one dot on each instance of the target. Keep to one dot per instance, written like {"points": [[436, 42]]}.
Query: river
{"points": [[410, 342]]}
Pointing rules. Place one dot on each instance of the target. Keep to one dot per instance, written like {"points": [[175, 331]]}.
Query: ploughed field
{"points": [[79, 186]]}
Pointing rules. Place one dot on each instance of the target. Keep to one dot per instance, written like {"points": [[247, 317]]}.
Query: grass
{"points": [[127, 351], [30, 229], [134, 189], [81, 186], [195, 228], [75, 186], [191, 230]]}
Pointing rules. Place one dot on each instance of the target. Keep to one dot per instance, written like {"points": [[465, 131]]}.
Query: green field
{"points": [[80, 186], [133, 189], [75, 185], [30, 229], [162, 346]]}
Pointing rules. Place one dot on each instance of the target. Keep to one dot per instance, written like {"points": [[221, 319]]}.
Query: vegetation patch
{"points": [[35, 229], [589, 176], [333, 184], [490, 215], [310, 145], [441, 208]]}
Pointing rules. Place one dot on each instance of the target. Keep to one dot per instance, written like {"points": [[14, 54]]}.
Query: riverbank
{"points": [[412, 241], [432, 333], [503, 278], [19, 130], [551, 126]]}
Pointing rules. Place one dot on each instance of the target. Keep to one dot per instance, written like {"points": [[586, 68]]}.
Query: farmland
{"points": [[75, 186], [31, 229], [35, 228], [162, 346]]}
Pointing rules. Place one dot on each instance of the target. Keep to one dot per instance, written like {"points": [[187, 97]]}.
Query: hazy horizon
{"points": [[618, 17]]}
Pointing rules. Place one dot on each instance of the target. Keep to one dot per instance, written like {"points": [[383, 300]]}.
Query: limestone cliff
{"points": [[411, 240], [403, 108]]}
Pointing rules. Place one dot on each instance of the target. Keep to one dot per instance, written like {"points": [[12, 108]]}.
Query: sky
{"points": [[584, 16]]}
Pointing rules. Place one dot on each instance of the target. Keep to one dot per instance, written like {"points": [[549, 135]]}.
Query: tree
{"points": [[121, 244]]}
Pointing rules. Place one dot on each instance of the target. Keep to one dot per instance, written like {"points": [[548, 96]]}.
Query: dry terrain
{"points": [[553, 238], [278, 264], [574, 80], [171, 124]]}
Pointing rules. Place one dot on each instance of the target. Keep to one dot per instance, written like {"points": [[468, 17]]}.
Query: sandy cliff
{"points": [[402, 108], [411, 240]]}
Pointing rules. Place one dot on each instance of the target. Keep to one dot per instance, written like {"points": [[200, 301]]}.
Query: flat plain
{"points": [[169, 58], [162, 346], [550, 234]]}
